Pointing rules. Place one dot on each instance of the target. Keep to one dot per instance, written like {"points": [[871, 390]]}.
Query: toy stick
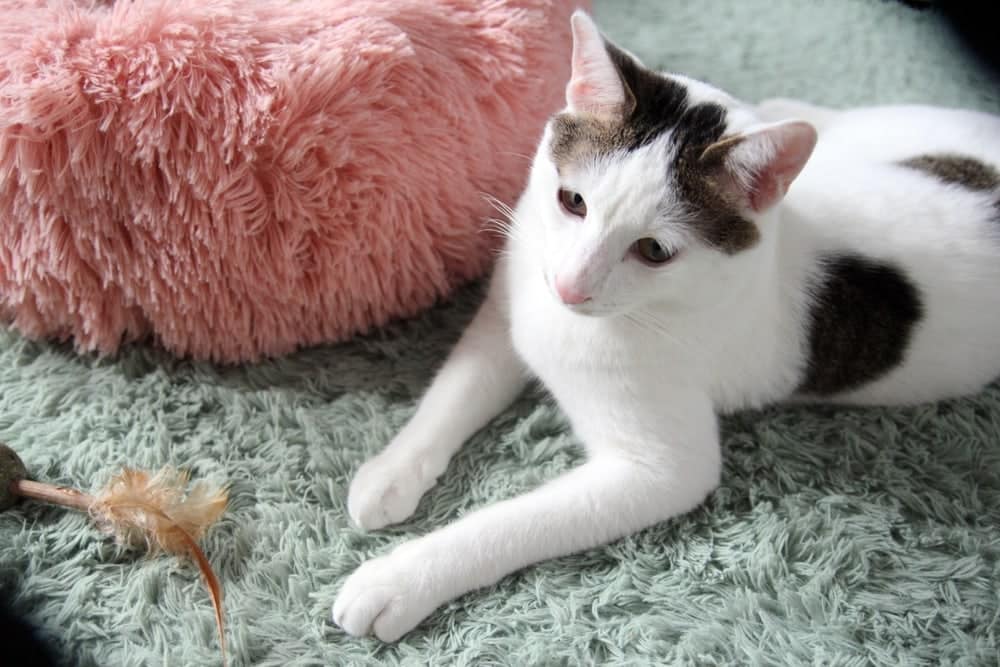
{"points": [[138, 509]]}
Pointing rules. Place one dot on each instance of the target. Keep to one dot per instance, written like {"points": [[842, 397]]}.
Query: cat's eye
{"points": [[652, 251], [573, 203]]}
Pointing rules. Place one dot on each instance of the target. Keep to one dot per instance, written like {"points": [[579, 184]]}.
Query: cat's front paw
{"points": [[388, 596], [387, 489]]}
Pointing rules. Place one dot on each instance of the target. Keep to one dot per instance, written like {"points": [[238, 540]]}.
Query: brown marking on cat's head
{"points": [[700, 175], [956, 169], [578, 138], [656, 105], [653, 105]]}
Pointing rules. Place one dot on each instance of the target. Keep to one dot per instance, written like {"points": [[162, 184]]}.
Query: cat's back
{"points": [[903, 181], [894, 133], [898, 216]]}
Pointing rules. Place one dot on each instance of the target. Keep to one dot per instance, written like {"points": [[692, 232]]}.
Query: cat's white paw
{"points": [[387, 489], [388, 596]]}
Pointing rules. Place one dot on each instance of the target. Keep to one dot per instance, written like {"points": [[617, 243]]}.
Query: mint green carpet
{"points": [[839, 537]]}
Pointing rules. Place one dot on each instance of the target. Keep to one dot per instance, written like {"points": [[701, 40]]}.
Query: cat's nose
{"points": [[569, 293]]}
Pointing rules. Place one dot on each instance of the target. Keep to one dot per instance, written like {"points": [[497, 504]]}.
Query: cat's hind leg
{"points": [[783, 108], [481, 376]]}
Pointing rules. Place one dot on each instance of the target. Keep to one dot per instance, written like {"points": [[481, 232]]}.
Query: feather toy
{"points": [[140, 510]]}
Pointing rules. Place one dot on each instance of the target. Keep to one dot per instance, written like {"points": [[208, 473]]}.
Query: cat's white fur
{"points": [[643, 368]]}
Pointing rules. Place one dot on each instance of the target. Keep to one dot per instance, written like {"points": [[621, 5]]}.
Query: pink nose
{"points": [[569, 294]]}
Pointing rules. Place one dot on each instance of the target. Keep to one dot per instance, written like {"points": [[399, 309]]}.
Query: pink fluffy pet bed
{"points": [[239, 178]]}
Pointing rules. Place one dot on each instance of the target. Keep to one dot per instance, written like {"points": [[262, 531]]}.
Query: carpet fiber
{"points": [[838, 537]]}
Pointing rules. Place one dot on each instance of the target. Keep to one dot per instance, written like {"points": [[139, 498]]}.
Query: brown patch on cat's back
{"points": [[861, 322], [956, 169]]}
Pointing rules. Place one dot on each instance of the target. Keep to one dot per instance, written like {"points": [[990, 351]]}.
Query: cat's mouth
{"points": [[587, 308]]}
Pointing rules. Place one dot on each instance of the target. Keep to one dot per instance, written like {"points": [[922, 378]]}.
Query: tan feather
{"points": [[159, 513], [124, 507]]}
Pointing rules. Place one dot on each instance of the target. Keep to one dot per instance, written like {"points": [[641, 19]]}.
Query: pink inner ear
{"points": [[595, 86], [791, 145], [765, 193], [580, 90]]}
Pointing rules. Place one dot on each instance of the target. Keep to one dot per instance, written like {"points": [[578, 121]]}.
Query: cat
{"points": [[678, 254]]}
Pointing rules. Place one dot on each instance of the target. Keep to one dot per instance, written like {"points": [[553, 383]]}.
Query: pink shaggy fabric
{"points": [[239, 178]]}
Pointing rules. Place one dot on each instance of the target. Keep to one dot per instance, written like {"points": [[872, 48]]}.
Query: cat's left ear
{"points": [[755, 169], [595, 86]]}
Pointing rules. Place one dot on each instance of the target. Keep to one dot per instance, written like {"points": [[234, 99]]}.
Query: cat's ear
{"points": [[755, 169], [595, 86]]}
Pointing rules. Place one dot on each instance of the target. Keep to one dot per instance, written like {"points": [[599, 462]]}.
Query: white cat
{"points": [[660, 270]]}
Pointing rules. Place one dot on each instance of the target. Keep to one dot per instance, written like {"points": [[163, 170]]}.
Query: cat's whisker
{"points": [[503, 251], [496, 225], [506, 225], [523, 156], [501, 207], [641, 323], [501, 227], [654, 325]]}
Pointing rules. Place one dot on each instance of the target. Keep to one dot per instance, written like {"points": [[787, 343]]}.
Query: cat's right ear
{"points": [[595, 86]]}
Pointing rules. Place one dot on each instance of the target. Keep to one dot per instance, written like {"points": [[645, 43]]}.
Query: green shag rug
{"points": [[838, 537]]}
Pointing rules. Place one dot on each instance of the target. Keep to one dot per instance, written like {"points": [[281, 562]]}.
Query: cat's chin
{"points": [[583, 309]]}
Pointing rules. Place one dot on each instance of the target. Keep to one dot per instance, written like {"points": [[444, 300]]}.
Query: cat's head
{"points": [[650, 187]]}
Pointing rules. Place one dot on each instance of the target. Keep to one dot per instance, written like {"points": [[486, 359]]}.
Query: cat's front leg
{"points": [[619, 491], [481, 376]]}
